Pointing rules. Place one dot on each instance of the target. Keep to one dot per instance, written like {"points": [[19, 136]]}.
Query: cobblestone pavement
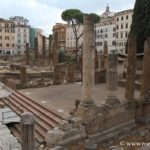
{"points": [[61, 97]]}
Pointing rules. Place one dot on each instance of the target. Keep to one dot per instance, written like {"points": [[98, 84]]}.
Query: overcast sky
{"points": [[45, 13]]}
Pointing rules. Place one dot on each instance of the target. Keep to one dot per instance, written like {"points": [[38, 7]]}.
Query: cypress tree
{"points": [[139, 23]]}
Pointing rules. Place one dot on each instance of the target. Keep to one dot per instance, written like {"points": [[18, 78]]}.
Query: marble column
{"points": [[146, 70], [27, 131], [87, 107], [112, 78], [131, 69]]}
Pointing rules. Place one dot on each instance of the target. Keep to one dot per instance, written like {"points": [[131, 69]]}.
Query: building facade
{"points": [[113, 29], [123, 23], [7, 37], [21, 33], [106, 31]]}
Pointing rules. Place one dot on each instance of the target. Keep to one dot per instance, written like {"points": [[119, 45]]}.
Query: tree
{"points": [[74, 17], [139, 23]]}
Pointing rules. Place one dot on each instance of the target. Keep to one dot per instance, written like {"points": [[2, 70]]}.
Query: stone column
{"points": [[131, 68], [27, 131], [43, 50], [36, 52], [23, 74], [112, 78], [55, 48], [146, 70], [86, 108], [27, 54], [100, 60], [105, 55], [50, 55]]}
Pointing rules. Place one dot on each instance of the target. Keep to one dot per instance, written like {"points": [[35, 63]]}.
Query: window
{"points": [[7, 44], [19, 41], [126, 25], [117, 27], [127, 17], [117, 19], [122, 26], [12, 31], [25, 41], [106, 35], [126, 34], [0, 44], [0, 37], [101, 31], [19, 35], [0, 30], [121, 35], [122, 18], [114, 29], [18, 30], [18, 46], [24, 30], [6, 25], [113, 42], [12, 44], [114, 34], [6, 37], [7, 30], [12, 25], [24, 35]]}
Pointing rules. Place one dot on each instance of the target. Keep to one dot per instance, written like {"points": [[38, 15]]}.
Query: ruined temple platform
{"points": [[61, 98]]}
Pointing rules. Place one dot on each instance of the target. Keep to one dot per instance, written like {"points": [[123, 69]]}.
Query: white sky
{"points": [[45, 13]]}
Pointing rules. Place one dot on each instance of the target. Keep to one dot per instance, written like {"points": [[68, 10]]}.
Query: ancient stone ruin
{"points": [[90, 126]]}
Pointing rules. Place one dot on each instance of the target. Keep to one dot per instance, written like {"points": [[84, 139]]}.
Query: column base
{"points": [[86, 109]]}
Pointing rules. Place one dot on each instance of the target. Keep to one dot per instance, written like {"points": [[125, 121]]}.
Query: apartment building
{"points": [[106, 31], [123, 23], [21, 33], [7, 37], [113, 29]]}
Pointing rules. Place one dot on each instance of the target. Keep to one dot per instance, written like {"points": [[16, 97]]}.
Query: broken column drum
{"points": [[27, 131], [112, 75]]}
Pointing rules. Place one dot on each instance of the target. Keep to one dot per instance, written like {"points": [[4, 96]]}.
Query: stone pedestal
{"points": [[87, 107], [112, 78], [23, 74]]}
